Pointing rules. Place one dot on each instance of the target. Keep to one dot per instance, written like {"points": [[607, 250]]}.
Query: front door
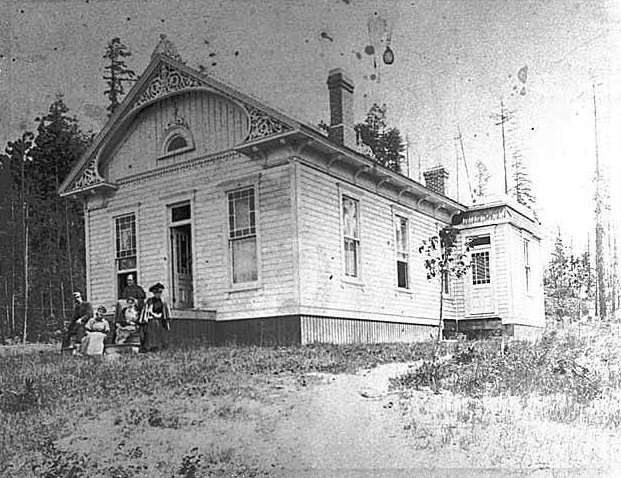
{"points": [[181, 243]]}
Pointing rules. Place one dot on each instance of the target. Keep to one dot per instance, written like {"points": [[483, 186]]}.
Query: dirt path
{"points": [[349, 425]]}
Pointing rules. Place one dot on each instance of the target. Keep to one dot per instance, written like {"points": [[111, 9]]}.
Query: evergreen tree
{"points": [[117, 72], [567, 282], [522, 190], [482, 179], [44, 269], [385, 144], [14, 204]]}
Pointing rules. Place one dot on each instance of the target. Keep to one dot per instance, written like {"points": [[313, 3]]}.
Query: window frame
{"points": [[135, 270], [527, 265], [357, 279], [398, 217], [178, 130], [483, 250], [251, 284]]}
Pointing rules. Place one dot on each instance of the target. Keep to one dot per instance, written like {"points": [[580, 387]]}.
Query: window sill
{"points": [[402, 290], [175, 152], [352, 281], [244, 287]]}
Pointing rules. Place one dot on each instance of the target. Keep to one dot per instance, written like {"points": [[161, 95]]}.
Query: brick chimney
{"points": [[341, 89], [436, 179]]}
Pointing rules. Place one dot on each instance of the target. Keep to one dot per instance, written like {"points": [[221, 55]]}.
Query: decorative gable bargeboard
{"points": [[168, 80]]}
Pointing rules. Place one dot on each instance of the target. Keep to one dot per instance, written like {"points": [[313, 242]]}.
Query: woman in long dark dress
{"points": [[155, 318]]}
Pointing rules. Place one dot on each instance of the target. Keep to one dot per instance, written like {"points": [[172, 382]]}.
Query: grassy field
{"points": [[200, 411]]}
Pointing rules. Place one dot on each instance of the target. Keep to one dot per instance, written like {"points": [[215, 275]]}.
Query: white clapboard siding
{"points": [[527, 304], [501, 271], [101, 247], [215, 123], [322, 281], [200, 182]]}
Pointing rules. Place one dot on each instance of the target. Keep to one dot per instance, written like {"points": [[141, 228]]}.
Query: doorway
{"points": [[181, 254], [480, 293]]}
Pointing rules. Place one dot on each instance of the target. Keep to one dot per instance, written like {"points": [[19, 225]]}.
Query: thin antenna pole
{"points": [[503, 119], [457, 170], [463, 156]]}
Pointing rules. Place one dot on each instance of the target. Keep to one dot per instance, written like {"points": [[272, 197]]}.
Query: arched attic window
{"points": [[177, 139], [176, 142]]}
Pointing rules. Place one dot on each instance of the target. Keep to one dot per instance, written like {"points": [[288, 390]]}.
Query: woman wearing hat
{"points": [[155, 318], [97, 329]]}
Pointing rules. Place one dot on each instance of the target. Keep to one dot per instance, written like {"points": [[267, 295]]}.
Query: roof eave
{"points": [[324, 144], [92, 189]]}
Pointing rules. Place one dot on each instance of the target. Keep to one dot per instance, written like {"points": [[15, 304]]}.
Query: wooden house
{"points": [[265, 230]]}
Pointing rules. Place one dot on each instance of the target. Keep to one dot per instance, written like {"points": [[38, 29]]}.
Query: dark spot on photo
{"points": [[326, 36], [369, 50]]}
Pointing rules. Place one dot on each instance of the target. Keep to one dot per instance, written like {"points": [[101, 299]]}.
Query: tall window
{"points": [[527, 264], [480, 260], [402, 243], [351, 236], [125, 245], [243, 236]]}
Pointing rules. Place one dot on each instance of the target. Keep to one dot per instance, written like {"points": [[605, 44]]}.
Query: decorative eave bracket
{"points": [[89, 181], [263, 125]]}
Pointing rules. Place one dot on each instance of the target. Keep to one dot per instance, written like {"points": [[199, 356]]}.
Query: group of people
{"points": [[138, 321]]}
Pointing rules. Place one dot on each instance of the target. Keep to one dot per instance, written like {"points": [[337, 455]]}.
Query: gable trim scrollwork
{"points": [[170, 80], [89, 179], [167, 80], [263, 125]]}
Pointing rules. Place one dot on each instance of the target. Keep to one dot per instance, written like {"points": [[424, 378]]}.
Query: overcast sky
{"points": [[455, 61]]}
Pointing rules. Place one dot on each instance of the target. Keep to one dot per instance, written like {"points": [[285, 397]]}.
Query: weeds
{"points": [[484, 396], [552, 403], [64, 391], [553, 365]]}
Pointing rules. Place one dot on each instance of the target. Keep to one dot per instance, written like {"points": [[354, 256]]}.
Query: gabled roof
{"points": [[168, 75]]}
